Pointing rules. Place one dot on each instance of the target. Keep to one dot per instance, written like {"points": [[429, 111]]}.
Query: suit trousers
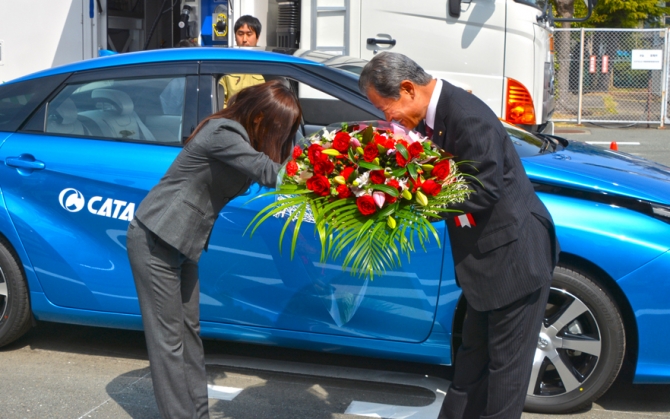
{"points": [[169, 295], [494, 362]]}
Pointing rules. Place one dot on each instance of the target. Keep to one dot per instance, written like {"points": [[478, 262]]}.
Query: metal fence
{"points": [[611, 75]]}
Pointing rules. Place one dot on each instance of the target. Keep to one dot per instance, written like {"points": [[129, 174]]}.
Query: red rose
{"points": [[394, 183], [415, 149], [430, 187], [370, 152], [319, 184], [383, 141], [441, 170], [343, 191], [341, 142], [314, 153], [377, 177], [346, 172], [402, 162], [390, 199], [292, 168], [323, 166], [366, 205], [414, 184], [297, 151]]}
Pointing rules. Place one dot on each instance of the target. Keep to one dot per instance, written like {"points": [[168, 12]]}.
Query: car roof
{"points": [[171, 55]]}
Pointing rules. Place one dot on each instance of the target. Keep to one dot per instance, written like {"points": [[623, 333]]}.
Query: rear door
{"points": [[75, 173], [247, 281]]}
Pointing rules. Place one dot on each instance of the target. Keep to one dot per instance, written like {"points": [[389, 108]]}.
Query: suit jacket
{"points": [[214, 167], [505, 256]]}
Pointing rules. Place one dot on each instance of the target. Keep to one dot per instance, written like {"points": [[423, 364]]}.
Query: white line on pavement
{"points": [[222, 393]]}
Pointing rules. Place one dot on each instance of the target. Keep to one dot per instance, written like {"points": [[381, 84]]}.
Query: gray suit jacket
{"points": [[214, 167], [512, 250]]}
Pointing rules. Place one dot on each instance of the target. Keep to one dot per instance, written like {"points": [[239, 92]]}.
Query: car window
{"points": [[321, 109], [231, 84], [146, 109], [19, 100]]}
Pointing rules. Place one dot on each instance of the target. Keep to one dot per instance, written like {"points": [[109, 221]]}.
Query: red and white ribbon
{"points": [[465, 220]]}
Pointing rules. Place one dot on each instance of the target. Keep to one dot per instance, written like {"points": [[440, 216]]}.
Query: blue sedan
{"points": [[82, 145]]}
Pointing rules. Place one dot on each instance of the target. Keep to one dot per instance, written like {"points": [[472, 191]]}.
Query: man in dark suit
{"points": [[503, 244]]}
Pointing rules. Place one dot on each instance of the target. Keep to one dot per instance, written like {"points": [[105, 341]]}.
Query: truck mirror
{"points": [[455, 8], [590, 4]]}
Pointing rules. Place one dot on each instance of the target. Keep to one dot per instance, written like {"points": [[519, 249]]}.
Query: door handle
{"points": [[377, 41], [24, 161]]}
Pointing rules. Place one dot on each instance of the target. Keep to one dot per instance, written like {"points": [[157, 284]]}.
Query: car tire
{"points": [[580, 349], [15, 318]]}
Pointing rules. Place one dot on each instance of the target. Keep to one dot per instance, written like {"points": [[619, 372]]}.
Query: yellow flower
{"points": [[330, 152], [421, 198], [340, 180]]}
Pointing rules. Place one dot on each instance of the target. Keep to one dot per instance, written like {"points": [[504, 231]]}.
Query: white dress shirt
{"points": [[432, 106]]}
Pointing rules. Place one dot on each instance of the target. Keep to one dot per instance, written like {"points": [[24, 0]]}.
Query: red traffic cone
{"points": [[613, 146]]}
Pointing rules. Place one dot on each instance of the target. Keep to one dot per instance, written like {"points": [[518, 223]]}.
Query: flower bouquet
{"points": [[372, 189]]}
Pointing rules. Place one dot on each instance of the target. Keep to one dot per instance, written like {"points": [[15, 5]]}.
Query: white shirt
{"points": [[432, 106]]}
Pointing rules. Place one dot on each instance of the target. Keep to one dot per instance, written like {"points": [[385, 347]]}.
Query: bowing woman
{"points": [[233, 147]]}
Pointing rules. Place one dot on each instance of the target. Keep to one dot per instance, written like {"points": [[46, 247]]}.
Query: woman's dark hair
{"points": [[253, 23], [278, 110]]}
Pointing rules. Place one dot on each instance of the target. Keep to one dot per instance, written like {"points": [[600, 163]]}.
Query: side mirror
{"points": [[455, 8], [590, 4]]}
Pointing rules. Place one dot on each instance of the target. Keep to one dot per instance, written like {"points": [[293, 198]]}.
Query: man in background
{"points": [[247, 30]]}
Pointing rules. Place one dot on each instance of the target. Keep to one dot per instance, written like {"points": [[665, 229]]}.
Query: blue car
{"points": [[82, 144]]}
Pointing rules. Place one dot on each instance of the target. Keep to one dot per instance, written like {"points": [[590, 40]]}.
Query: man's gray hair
{"points": [[387, 70]]}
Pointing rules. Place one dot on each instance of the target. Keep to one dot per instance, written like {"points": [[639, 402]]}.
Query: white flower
{"points": [[414, 137], [358, 191], [329, 135], [403, 183], [362, 180]]}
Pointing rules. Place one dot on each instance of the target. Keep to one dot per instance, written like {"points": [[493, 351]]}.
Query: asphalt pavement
{"points": [[651, 143], [62, 371]]}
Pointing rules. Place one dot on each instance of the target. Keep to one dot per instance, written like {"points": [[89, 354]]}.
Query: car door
{"points": [[75, 173], [247, 281]]}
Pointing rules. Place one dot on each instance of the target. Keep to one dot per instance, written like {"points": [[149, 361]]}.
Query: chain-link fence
{"points": [[611, 75]]}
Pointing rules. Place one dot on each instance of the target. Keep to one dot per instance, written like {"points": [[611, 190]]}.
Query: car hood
{"points": [[585, 167]]}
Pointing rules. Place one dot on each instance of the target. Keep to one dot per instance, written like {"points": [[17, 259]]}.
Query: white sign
{"points": [[647, 59]]}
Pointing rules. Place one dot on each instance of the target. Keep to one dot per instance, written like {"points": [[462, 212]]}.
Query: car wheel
{"points": [[14, 303], [580, 348]]}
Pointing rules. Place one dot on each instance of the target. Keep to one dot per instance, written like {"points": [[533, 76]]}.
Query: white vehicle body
{"points": [[491, 42]]}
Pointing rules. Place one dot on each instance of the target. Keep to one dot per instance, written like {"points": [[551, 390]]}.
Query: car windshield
{"points": [[526, 144]]}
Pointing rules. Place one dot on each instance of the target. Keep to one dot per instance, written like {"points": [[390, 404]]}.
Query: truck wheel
{"points": [[580, 348], [14, 303]]}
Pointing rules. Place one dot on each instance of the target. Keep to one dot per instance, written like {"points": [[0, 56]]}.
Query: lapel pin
{"points": [[439, 133]]}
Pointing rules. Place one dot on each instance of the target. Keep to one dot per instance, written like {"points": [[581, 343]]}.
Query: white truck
{"points": [[500, 50]]}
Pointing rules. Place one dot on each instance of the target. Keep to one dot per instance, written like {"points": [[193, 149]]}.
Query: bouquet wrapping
{"points": [[371, 189]]}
